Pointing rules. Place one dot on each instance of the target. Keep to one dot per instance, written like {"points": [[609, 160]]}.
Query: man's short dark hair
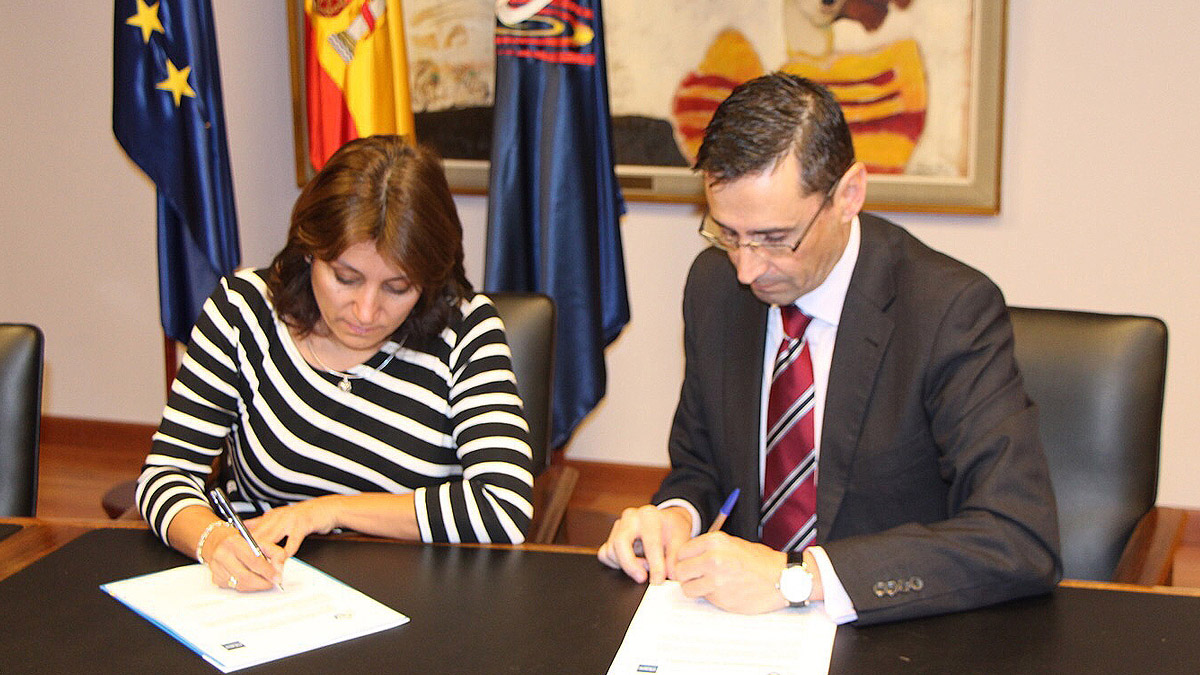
{"points": [[769, 116]]}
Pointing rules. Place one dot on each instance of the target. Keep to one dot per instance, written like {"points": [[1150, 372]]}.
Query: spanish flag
{"points": [[356, 71]]}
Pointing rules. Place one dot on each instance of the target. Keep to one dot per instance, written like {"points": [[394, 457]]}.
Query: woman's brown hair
{"points": [[384, 190]]}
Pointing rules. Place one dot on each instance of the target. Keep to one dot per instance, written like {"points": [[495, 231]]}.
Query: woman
{"points": [[357, 383]]}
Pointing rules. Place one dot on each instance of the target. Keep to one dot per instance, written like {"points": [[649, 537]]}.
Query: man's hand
{"points": [[651, 532], [731, 573]]}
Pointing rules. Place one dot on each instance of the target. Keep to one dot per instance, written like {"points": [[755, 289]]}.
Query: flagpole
{"points": [[170, 360]]}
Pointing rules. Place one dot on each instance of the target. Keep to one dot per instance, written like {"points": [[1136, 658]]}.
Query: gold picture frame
{"points": [[971, 79]]}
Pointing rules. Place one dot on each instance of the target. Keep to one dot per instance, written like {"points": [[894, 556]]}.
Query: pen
{"points": [[726, 508], [225, 511]]}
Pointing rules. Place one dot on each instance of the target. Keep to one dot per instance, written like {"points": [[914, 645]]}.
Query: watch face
{"points": [[795, 583]]}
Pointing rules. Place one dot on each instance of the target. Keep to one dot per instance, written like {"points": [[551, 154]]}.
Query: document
{"points": [[234, 630], [671, 634]]}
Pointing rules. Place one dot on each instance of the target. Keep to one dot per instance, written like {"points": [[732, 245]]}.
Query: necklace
{"points": [[344, 385]]}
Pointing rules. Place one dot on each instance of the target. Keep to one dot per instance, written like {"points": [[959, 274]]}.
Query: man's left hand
{"points": [[731, 573]]}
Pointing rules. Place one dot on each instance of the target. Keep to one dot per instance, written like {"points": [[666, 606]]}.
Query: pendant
{"points": [[344, 385]]}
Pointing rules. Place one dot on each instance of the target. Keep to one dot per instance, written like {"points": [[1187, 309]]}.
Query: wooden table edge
{"points": [[41, 536], [1135, 588]]}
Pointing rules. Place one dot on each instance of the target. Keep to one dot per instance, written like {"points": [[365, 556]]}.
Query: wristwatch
{"points": [[795, 583]]}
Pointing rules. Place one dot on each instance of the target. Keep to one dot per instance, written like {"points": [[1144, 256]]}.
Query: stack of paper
{"points": [[672, 634], [236, 630]]}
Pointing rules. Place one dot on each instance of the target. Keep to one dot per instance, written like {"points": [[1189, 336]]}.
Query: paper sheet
{"points": [[672, 634], [235, 630]]}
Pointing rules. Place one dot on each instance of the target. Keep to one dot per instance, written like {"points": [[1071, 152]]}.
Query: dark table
{"points": [[1086, 629], [473, 610], [537, 610]]}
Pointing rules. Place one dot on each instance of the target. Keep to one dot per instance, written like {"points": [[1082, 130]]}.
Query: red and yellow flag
{"points": [[357, 73]]}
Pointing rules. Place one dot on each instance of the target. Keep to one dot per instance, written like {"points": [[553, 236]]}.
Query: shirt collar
{"points": [[825, 302]]}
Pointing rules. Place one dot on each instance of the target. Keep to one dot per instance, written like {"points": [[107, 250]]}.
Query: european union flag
{"points": [[169, 118], [554, 205]]}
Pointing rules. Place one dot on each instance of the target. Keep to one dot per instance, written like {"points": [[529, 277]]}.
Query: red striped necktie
{"points": [[789, 496]]}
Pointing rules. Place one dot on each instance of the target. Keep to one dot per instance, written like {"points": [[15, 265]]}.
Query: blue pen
{"points": [[726, 508]]}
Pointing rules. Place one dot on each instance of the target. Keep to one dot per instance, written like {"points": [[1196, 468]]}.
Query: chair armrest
{"points": [[118, 501], [1150, 551], [552, 491]]}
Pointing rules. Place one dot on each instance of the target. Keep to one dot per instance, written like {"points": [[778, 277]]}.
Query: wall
{"points": [[1099, 146], [78, 235]]}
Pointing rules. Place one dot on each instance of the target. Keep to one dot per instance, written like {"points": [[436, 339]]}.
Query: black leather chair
{"points": [[529, 325], [21, 347], [1098, 382]]}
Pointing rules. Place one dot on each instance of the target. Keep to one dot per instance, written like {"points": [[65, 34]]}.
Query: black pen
{"points": [[225, 512]]}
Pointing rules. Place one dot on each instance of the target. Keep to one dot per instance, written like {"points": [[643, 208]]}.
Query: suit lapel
{"points": [[863, 334], [742, 383]]}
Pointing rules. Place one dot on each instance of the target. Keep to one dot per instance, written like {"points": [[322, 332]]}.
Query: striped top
{"points": [[442, 419]]}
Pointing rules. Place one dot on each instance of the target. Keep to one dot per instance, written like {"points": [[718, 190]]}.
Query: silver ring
{"points": [[232, 581]]}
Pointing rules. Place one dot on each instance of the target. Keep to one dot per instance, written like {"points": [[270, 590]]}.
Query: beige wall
{"points": [[1099, 152]]}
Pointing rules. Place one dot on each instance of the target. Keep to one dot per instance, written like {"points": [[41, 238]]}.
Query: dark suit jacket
{"points": [[933, 493]]}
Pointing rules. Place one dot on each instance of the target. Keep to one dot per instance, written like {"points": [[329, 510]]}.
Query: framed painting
{"points": [[921, 82]]}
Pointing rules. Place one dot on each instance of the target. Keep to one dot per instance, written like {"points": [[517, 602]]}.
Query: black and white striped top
{"points": [[442, 419]]}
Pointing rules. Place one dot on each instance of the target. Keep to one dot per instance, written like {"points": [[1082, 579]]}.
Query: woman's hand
{"points": [[233, 564], [295, 522]]}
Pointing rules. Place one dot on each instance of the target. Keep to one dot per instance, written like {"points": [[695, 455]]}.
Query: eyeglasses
{"points": [[770, 243]]}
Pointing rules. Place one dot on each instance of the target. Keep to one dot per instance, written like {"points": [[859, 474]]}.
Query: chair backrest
{"points": [[529, 325], [20, 417], [1098, 381]]}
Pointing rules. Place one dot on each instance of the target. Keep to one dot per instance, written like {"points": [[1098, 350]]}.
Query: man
{"points": [[931, 492]]}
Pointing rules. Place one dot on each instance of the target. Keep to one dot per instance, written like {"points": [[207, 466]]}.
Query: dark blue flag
{"points": [[169, 118], [554, 205]]}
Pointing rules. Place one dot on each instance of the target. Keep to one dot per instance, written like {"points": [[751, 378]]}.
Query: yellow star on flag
{"points": [[146, 19], [177, 82]]}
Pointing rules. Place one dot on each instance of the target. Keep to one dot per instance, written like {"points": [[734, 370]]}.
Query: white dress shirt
{"points": [[824, 305]]}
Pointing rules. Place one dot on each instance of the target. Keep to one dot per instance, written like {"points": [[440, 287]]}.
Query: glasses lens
{"points": [[715, 235]]}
